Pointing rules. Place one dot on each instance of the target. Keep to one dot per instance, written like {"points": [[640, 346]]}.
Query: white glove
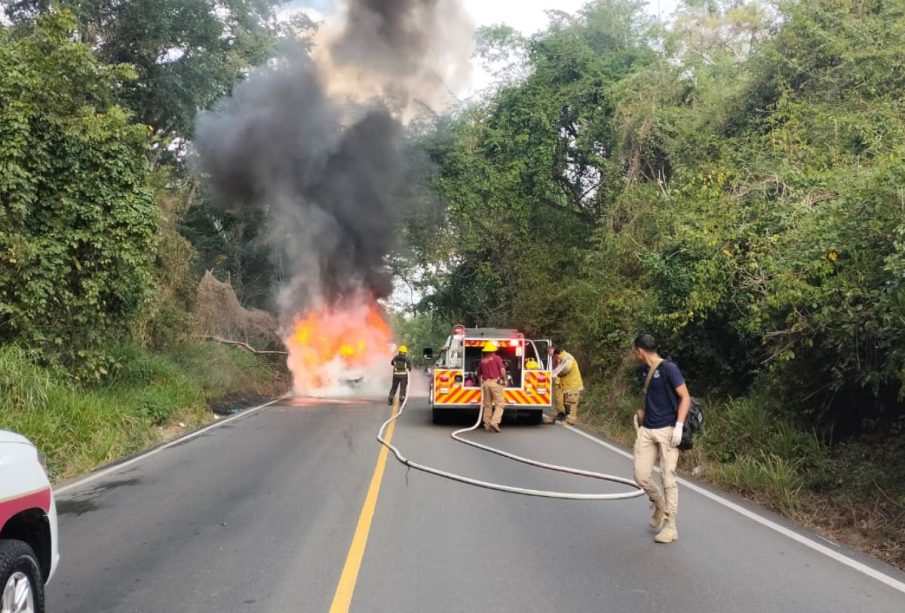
{"points": [[635, 421], [676, 437]]}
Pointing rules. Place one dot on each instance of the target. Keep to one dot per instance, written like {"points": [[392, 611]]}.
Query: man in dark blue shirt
{"points": [[659, 434]]}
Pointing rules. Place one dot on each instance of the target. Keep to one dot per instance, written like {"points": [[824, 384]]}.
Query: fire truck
{"points": [[454, 385]]}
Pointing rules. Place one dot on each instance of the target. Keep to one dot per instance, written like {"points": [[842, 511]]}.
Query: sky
{"points": [[528, 16]]}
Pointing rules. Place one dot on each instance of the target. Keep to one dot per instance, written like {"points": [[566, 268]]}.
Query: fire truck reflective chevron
{"points": [[536, 390], [454, 382]]}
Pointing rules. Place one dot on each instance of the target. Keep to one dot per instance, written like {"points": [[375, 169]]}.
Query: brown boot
{"points": [[656, 520], [669, 533]]}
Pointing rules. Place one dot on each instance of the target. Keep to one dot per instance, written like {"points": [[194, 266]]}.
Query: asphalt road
{"points": [[259, 515]]}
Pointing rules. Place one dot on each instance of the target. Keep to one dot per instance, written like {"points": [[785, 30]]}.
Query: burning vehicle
{"points": [[335, 350]]}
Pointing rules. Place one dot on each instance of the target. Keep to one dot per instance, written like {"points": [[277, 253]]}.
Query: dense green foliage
{"points": [[732, 183], [185, 53], [79, 427], [77, 216], [97, 285]]}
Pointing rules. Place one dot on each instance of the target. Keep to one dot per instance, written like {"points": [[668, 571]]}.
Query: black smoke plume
{"points": [[330, 189], [327, 170], [388, 35]]}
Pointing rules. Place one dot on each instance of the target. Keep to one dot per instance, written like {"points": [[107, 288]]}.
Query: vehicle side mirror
{"points": [[429, 354]]}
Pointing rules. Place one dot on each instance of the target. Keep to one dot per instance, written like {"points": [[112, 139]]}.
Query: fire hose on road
{"points": [[636, 489]]}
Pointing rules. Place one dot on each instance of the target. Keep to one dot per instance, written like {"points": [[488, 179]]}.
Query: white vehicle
{"points": [[28, 526]]}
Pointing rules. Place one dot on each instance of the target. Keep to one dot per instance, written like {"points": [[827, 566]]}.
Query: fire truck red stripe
{"points": [[39, 499]]}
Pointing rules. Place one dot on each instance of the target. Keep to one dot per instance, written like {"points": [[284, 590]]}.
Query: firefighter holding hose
{"points": [[402, 366]]}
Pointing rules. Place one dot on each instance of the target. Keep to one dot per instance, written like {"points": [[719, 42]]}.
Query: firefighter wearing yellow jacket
{"points": [[568, 386]]}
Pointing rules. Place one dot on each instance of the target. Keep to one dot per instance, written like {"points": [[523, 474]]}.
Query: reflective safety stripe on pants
{"points": [[650, 444]]}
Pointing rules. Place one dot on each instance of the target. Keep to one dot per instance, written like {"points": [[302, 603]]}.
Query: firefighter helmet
{"points": [[490, 347], [403, 349]]}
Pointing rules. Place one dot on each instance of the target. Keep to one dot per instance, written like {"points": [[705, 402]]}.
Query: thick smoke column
{"points": [[312, 140], [315, 141], [411, 53], [278, 143]]}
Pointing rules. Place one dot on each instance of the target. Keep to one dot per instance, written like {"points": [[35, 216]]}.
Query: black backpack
{"points": [[694, 421]]}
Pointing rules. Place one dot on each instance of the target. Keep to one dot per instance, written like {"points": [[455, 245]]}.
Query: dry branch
{"points": [[244, 346]]}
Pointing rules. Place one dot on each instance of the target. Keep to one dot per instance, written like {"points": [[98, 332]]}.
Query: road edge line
{"points": [[807, 542], [345, 588], [151, 452]]}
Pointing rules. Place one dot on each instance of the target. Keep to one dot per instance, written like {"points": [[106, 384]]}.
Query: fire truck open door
{"points": [[454, 386]]}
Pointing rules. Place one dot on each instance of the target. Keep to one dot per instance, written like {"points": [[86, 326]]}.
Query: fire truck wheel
{"points": [[440, 417], [21, 585]]}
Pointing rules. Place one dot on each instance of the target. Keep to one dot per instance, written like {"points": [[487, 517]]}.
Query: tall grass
{"points": [[750, 446], [79, 428]]}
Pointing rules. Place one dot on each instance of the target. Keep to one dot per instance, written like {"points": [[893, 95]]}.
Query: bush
{"points": [[79, 427], [77, 217]]}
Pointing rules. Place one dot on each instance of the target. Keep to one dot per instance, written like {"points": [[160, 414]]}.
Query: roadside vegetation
{"points": [[102, 308], [730, 181], [148, 398]]}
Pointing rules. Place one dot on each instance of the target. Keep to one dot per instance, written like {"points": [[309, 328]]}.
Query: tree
{"points": [[77, 217], [730, 182], [186, 54], [527, 174]]}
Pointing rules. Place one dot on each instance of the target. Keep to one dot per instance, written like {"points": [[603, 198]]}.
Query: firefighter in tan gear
{"points": [[492, 374], [568, 385]]}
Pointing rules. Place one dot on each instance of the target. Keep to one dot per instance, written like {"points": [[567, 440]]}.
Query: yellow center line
{"points": [[342, 598]]}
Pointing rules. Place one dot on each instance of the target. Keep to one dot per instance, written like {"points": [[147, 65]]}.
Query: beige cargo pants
{"points": [[570, 401], [492, 402], [650, 444], [566, 402]]}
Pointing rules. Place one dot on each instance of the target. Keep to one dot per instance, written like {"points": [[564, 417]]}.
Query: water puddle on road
{"points": [[76, 507]]}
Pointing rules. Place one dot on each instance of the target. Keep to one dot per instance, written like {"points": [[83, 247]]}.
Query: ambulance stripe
{"points": [[39, 499]]}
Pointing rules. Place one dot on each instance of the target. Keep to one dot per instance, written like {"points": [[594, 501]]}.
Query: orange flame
{"points": [[332, 344]]}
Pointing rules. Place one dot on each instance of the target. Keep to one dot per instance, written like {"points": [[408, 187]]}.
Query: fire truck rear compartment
{"points": [[512, 361]]}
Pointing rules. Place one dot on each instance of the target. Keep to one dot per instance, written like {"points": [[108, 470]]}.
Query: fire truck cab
{"points": [[454, 384]]}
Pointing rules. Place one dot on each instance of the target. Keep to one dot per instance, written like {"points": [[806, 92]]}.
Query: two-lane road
{"points": [[259, 514]]}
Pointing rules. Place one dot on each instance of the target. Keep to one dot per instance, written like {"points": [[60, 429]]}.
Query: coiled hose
{"points": [[636, 489]]}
